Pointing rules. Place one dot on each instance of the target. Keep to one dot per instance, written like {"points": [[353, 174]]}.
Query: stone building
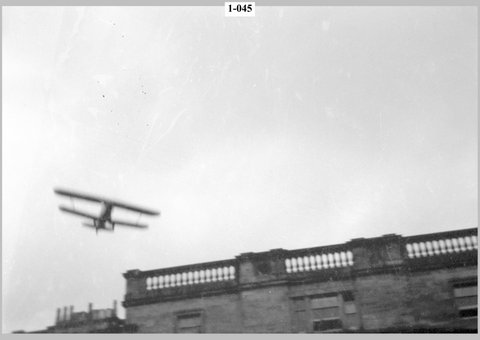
{"points": [[422, 283], [93, 321]]}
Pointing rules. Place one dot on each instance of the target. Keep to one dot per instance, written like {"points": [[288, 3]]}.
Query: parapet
{"points": [[390, 253]]}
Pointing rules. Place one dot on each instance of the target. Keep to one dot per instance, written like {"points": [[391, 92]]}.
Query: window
{"points": [[189, 322], [327, 325], [326, 313], [465, 294], [331, 312]]}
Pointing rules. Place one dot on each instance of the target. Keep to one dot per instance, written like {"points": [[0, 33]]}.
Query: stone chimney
{"points": [[114, 308], [65, 314], [59, 312]]}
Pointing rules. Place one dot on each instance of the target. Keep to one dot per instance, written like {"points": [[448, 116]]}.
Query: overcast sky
{"points": [[300, 127]]}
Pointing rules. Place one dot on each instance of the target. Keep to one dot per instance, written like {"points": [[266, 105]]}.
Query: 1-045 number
{"points": [[240, 8]]}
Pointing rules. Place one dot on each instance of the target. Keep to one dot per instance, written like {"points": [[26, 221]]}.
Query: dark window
{"points": [[348, 296], [327, 325], [465, 294], [472, 283], [468, 313], [189, 323], [324, 313]]}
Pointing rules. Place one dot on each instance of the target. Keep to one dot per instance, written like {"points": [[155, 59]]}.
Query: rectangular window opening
{"points": [[330, 312], [327, 325], [189, 323], [466, 295], [348, 296], [468, 313]]}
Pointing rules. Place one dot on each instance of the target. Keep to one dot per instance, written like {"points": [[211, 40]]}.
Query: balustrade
{"points": [[442, 244], [190, 277], [318, 259]]}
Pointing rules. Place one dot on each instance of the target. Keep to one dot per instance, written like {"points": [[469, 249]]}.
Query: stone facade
{"points": [[422, 283]]}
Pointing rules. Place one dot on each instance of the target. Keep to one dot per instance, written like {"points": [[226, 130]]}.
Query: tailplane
{"points": [[94, 226]]}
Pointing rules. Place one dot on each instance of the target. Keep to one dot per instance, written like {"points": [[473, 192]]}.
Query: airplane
{"points": [[105, 218]]}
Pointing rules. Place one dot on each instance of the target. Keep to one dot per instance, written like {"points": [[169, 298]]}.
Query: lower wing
{"points": [[129, 224], [76, 212]]}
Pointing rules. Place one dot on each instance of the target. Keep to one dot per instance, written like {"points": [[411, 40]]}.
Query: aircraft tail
{"points": [[94, 226]]}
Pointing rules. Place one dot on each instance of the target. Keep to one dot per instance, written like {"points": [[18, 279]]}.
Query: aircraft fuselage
{"points": [[105, 216]]}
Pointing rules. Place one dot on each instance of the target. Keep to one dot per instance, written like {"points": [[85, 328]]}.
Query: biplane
{"points": [[104, 221]]}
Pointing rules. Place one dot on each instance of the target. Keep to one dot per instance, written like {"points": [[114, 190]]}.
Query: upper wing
{"points": [[79, 195], [133, 208], [106, 201], [76, 212], [128, 224]]}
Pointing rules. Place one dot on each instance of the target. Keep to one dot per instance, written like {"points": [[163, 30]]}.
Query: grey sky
{"points": [[299, 127]]}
